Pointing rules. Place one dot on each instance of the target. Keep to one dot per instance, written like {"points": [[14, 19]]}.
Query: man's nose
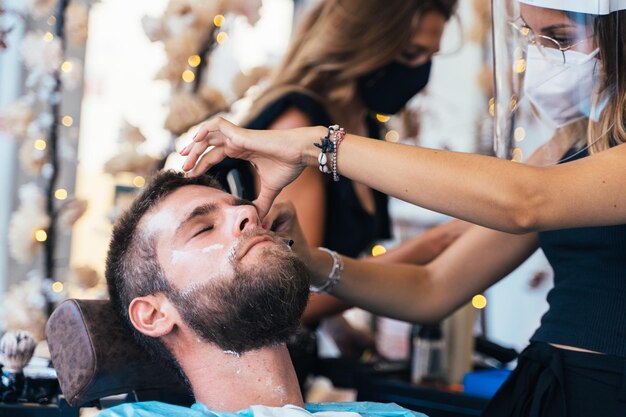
{"points": [[246, 217]]}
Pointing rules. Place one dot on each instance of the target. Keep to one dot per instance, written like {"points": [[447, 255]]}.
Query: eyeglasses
{"points": [[545, 44]]}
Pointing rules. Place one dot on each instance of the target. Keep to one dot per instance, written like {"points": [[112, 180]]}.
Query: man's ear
{"points": [[153, 315]]}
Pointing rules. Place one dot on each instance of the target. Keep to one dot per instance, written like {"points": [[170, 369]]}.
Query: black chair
{"points": [[95, 356]]}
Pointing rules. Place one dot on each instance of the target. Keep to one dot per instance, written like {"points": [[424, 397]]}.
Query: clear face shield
{"points": [[557, 72]]}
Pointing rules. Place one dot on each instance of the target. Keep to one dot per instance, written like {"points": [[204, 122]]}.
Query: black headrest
{"points": [[96, 356]]}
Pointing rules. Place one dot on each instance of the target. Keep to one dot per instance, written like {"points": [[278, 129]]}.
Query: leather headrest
{"points": [[95, 355]]}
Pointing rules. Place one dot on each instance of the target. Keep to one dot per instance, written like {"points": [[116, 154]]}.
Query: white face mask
{"points": [[562, 92]]}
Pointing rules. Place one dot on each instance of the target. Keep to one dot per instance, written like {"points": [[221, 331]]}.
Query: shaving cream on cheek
{"points": [[181, 256], [212, 248], [162, 221], [227, 260]]}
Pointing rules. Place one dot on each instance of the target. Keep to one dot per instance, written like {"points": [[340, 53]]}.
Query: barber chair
{"points": [[95, 356]]}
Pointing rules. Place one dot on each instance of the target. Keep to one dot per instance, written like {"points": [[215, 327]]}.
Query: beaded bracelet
{"points": [[337, 138], [326, 146], [334, 276]]}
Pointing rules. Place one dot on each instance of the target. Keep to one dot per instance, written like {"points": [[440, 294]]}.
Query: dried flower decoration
{"points": [[71, 212], [248, 8], [131, 161], [72, 74], [180, 15], [32, 158], [41, 52], [177, 50], [29, 218], [41, 8], [85, 282], [84, 277], [16, 118], [24, 307], [189, 29], [35, 118], [187, 109], [130, 158]]}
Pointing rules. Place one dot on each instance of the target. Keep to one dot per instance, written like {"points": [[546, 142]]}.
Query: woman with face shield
{"points": [[560, 99]]}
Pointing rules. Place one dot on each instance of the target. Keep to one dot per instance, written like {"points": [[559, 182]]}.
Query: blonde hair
{"points": [[610, 129], [341, 40]]}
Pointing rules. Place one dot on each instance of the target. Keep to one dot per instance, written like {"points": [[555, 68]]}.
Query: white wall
{"points": [[10, 89]]}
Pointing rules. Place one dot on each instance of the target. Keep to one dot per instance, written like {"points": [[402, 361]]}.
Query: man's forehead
{"points": [[173, 209], [188, 192]]}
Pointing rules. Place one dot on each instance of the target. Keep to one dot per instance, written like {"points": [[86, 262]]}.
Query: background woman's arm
{"points": [[426, 246], [476, 260]]}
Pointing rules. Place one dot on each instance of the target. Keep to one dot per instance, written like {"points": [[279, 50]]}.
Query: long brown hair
{"points": [[610, 129], [340, 40]]}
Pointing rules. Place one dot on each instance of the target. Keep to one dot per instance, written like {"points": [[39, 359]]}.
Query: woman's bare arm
{"points": [[429, 293], [495, 193], [426, 246]]}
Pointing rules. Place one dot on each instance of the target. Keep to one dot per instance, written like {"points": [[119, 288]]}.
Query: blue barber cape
{"points": [[349, 409]]}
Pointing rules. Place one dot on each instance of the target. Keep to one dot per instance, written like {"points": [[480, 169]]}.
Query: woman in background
{"points": [[335, 72]]}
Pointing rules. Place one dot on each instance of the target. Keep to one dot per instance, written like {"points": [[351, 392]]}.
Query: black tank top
{"points": [[349, 229], [588, 301]]}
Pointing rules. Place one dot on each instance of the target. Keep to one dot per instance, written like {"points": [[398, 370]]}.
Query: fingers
{"points": [[227, 128], [281, 217], [283, 220], [210, 134], [215, 132], [212, 125], [193, 152], [205, 162], [264, 200]]}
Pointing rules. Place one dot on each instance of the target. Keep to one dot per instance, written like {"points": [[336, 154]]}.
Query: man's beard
{"points": [[258, 307]]}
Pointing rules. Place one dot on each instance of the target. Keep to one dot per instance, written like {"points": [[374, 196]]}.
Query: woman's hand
{"points": [[283, 219], [279, 156]]}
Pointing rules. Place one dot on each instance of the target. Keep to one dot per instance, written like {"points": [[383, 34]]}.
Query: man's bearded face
{"points": [[259, 305]]}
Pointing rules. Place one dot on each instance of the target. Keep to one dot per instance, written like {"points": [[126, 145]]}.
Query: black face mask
{"points": [[387, 89]]}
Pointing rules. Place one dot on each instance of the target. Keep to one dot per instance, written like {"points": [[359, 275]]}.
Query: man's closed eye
{"points": [[203, 230]]}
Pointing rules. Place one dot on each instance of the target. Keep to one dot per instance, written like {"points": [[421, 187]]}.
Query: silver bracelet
{"points": [[334, 276]]}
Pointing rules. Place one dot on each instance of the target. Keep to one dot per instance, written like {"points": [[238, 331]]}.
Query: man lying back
{"points": [[204, 287]]}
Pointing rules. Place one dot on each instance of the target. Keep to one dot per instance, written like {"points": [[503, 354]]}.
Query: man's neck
{"points": [[225, 381]]}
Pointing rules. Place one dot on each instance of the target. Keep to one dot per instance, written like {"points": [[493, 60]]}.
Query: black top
{"points": [[588, 301], [349, 229]]}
